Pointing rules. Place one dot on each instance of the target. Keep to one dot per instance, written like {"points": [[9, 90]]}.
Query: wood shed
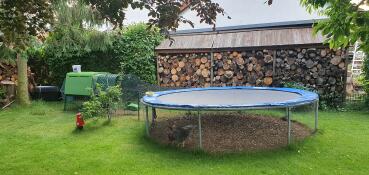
{"points": [[271, 54]]}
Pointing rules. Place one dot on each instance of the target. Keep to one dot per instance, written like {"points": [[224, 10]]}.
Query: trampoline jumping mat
{"points": [[230, 98]]}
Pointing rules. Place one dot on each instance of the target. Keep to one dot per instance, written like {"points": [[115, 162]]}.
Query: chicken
{"points": [[179, 134]]}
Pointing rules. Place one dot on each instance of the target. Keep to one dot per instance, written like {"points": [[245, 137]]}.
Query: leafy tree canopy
{"points": [[20, 19], [164, 14], [348, 22]]}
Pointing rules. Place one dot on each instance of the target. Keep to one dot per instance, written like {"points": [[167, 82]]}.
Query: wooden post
{"points": [[157, 72], [274, 60], [347, 61], [211, 69]]}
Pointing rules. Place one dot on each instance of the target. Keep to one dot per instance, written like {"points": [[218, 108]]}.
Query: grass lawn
{"points": [[42, 140]]}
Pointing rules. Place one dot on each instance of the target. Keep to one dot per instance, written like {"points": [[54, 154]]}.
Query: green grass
{"points": [[42, 139]]}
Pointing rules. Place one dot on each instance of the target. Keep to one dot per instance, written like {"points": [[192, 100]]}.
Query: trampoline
{"points": [[231, 98]]}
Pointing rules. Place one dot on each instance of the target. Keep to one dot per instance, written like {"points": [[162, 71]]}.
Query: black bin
{"points": [[47, 93]]}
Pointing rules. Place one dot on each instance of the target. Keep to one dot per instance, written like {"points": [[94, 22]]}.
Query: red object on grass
{"points": [[79, 121]]}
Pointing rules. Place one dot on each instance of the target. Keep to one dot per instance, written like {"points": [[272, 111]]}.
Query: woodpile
{"points": [[185, 70], [243, 68], [9, 96], [320, 69], [8, 74]]}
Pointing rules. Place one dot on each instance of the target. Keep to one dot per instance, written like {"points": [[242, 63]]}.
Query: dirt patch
{"points": [[227, 133]]}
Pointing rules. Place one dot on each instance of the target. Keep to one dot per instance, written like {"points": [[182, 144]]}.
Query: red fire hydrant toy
{"points": [[79, 121]]}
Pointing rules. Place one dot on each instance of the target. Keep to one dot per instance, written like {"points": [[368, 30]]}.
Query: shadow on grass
{"points": [[92, 126]]}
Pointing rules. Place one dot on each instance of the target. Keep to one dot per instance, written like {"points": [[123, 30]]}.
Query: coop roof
{"points": [[261, 35]]}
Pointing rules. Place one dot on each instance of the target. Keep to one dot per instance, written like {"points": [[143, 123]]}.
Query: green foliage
{"points": [[49, 145], [72, 41], [326, 101], [163, 14], [76, 13], [66, 47], [2, 92], [102, 102], [135, 48], [365, 80], [130, 51], [347, 22], [301, 86], [296, 85], [91, 109], [19, 20]]}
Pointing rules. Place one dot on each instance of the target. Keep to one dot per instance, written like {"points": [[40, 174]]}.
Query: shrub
{"points": [[130, 50], [325, 101], [87, 47], [102, 102], [365, 79], [135, 49], [2, 92], [296, 86]]}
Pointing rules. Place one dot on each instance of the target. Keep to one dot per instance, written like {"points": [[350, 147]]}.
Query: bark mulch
{"points": [[227, 132]]}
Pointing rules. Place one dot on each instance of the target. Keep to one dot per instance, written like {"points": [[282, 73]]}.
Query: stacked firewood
{"points": [[243, 68], [185, 70], [8, 71], [320, 69], [8, 74]]}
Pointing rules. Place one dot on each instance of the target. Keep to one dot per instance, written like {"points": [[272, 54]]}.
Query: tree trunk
{"points": [[22, 88]]}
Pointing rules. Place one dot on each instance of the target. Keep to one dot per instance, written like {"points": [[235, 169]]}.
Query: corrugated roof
{"points": [[243, 38], [301, 23]]}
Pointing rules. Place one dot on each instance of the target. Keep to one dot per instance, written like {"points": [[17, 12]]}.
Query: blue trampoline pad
{"points": [[230, 98]]}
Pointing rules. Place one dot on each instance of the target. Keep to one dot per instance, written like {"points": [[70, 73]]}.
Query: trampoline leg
{"points": [[147, 120], [288, 111], [200, 130], [316, 110], [154, 116]]}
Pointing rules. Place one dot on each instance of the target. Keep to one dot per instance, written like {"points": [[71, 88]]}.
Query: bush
{"points": [[325, 101], [89, 48], [301, 86], [2, 92], [102, 102], [296, 86], [129, 51], [365, 80], [135, 49]]}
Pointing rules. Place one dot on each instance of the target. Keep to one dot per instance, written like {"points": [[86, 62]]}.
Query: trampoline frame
{"points": [[310, 98]]}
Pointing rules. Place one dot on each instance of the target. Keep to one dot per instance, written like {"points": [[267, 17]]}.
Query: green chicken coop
{"points": [[82, 84]]}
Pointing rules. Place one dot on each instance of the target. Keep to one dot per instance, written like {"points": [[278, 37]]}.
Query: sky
{"points": [[242, 12]]}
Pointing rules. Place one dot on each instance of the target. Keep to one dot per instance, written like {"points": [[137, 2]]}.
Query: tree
{"points": [[347, 23], [135, 48], [20, 20], [165, 14]]}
